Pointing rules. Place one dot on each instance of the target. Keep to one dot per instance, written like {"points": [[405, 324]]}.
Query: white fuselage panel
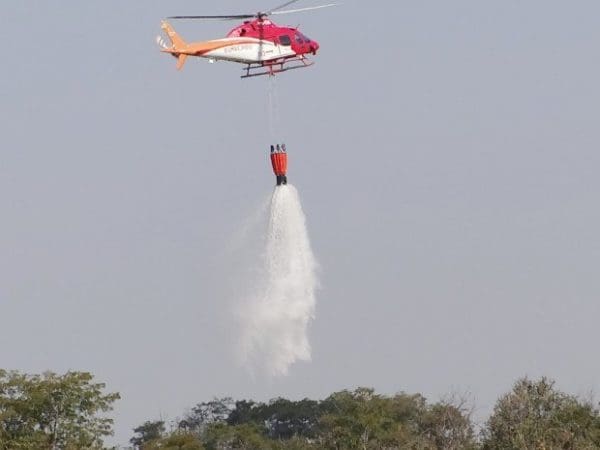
{"points": [[249, 52]]}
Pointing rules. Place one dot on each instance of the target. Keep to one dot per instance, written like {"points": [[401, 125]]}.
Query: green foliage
{"points": [[243, 437], [147, 433], [363, 419], [447, 425], [53, 411], [354, 419], [345, 420], [534, 415], [175, 441], [281, 418], [206, 413], [67, 412], [244, 412]]}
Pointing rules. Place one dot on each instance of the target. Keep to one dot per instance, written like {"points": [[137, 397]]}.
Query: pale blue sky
{"points": [[446, 154]]}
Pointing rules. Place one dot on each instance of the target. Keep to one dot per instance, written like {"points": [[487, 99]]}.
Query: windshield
{"points": [[301, 38]]}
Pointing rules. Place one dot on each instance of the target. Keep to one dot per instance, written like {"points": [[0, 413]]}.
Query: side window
{"points": [[285, 39], [298, 39]]}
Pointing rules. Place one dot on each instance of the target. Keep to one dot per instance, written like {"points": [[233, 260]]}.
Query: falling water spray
{"points": [[276, 313]]}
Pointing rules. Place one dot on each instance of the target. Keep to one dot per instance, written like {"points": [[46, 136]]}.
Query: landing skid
{"points": [[273, 67]]}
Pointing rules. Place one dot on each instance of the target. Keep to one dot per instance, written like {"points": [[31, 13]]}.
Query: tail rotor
{"points": [[161, 43]]}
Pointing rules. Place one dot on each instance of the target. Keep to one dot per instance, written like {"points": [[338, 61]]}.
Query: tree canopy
{"points": [[51, 411], [359, 419], [534, 415], [70, 412]]}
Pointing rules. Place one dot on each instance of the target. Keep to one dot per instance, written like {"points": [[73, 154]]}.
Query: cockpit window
{"points": [[298, 38], [304, 38], [284, 39]]}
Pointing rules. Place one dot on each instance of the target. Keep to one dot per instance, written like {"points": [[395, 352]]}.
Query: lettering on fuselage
{"points": [[237, 48]]}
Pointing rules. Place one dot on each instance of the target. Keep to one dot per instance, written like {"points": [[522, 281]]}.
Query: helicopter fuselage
{"points": [[257, 43]]}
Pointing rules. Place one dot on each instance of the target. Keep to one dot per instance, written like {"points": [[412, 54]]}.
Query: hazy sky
{"points": [[446, 154]]}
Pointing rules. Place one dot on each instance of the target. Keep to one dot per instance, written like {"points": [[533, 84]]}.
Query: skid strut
{"points": [[273, 67]]}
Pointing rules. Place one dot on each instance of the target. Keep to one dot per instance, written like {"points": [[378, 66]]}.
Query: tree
{"points": [[243, 412], [220, 436], [363, 419], [53, 411], [285, 419], [280, 418], [357, 419], [147, 432], [176, 441], [535, 415], [206, 413], [447, 425]]}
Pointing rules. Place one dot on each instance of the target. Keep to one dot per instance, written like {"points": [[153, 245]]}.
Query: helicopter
{"points": [[263, 46]]}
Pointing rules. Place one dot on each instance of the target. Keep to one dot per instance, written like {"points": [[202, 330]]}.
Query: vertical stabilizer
{"points": [[176, 40], [178, 45]]}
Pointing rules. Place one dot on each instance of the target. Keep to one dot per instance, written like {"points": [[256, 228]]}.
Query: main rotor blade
{"points": [[310, 8], [232, 17], [282, 6]]}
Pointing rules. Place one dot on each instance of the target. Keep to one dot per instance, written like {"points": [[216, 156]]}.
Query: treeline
{"points": [[534, 415], [70, 412]]}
